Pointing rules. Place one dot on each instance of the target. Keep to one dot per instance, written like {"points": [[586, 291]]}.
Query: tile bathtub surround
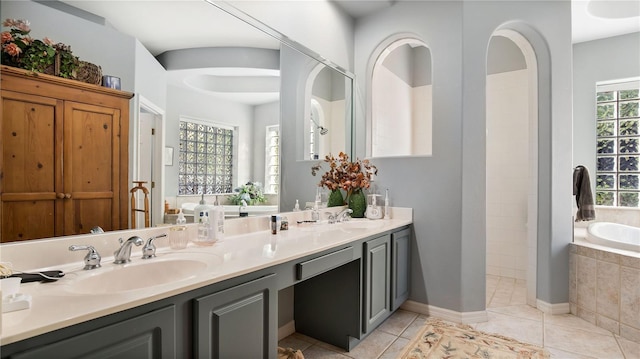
{"points": [[604, 290], [564, 336]]}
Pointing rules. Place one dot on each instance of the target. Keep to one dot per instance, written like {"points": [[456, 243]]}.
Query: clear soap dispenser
{"points": [[201, 213], [315, 213], [178, 238]]}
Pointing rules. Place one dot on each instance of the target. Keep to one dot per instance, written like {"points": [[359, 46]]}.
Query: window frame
{"points": [[615, 148], [269, 155], [210, 186]]}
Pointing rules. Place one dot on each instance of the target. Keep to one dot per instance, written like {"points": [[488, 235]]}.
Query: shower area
{"points": [[511, 174]]}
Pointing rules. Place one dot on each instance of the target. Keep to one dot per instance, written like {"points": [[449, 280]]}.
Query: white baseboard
{"points": [[446, 314], [548, 308], [286, 330]]}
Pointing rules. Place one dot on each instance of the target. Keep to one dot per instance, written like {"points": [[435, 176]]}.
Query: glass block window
{"points": [[618, 144], [205, 159], [272, 160]]}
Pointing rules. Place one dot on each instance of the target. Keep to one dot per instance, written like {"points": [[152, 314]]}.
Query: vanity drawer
{"points": [[312, 267]]}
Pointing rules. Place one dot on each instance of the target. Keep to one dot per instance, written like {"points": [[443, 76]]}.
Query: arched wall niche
{"points": [[400, 98]]}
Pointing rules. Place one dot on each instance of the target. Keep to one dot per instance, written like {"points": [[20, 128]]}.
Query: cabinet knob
{"points": [[67, 195], [60, 195]]}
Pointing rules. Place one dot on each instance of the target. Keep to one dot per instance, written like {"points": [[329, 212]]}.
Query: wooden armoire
{"points": [[64, 156]]}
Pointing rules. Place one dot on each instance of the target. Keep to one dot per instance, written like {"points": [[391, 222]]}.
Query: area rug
{"points": [[440, 339]]}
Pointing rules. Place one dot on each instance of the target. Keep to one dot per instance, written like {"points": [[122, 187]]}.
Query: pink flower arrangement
{"points": [[20, 50], [16, 39]]}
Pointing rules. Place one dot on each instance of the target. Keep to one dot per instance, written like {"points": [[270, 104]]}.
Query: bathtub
{"points": [[614, 235]]}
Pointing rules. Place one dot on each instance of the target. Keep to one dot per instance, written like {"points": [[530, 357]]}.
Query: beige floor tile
{"points": [[561, 354], [413, 328], [631, 350], [398, 322], [372, 346], [396, 348], [518, 299], [520, 311], [296, 341], [564, 336], [571, 321], [330, 347], [525, 330], [581, 342], [502, 292], [498, 302], [318, 352], [506, 282]]}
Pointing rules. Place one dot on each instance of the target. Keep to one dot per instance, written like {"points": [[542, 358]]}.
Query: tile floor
{"points": [[565, 336]]}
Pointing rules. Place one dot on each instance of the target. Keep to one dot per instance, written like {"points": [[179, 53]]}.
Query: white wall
{"points": [[507, 173], [337, 134], [194, 104], [116, 52], [448, 190], [422, 121], [392, 114], [593, 61], [319, 25]]}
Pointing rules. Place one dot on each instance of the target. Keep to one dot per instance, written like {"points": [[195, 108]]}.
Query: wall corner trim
{"points": [[554, 309], [446, 314]]}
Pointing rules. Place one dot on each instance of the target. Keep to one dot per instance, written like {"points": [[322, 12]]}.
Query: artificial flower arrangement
{"points": [[251, 193], [350, 176], [21, 50]]}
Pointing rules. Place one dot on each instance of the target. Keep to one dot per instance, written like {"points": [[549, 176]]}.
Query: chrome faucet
{"points": [[92, 259], [149, 249], [96, 230], [344, 215], [123, 254], [340, 216]]}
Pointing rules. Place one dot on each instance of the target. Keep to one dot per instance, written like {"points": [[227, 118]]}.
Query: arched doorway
{"points": [[512, 170]]}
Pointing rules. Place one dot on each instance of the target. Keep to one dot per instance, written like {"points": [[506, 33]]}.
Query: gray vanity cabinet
{"points": [[386, 276], [239, 322], [341, 296], [151, 335], [377, 285], [400, 267]]}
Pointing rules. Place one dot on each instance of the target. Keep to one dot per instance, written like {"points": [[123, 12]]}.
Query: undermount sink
{"points": [[361, 224], [139, 274], [346, 226]]}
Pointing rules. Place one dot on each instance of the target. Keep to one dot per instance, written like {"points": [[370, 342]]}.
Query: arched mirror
{"points": [[325, 96], [401, 100]]}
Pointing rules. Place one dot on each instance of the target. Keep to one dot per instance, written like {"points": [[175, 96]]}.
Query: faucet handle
{"points": [[92, 259], [149, 249], [331, 218]]}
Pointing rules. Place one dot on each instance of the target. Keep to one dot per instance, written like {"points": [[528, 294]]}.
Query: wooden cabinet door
{"points": [[92, 167], [239, 322], [30, 166], [377, 264]]}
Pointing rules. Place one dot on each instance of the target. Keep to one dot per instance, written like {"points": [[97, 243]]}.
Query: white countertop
{"points": [[240, 252]]}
